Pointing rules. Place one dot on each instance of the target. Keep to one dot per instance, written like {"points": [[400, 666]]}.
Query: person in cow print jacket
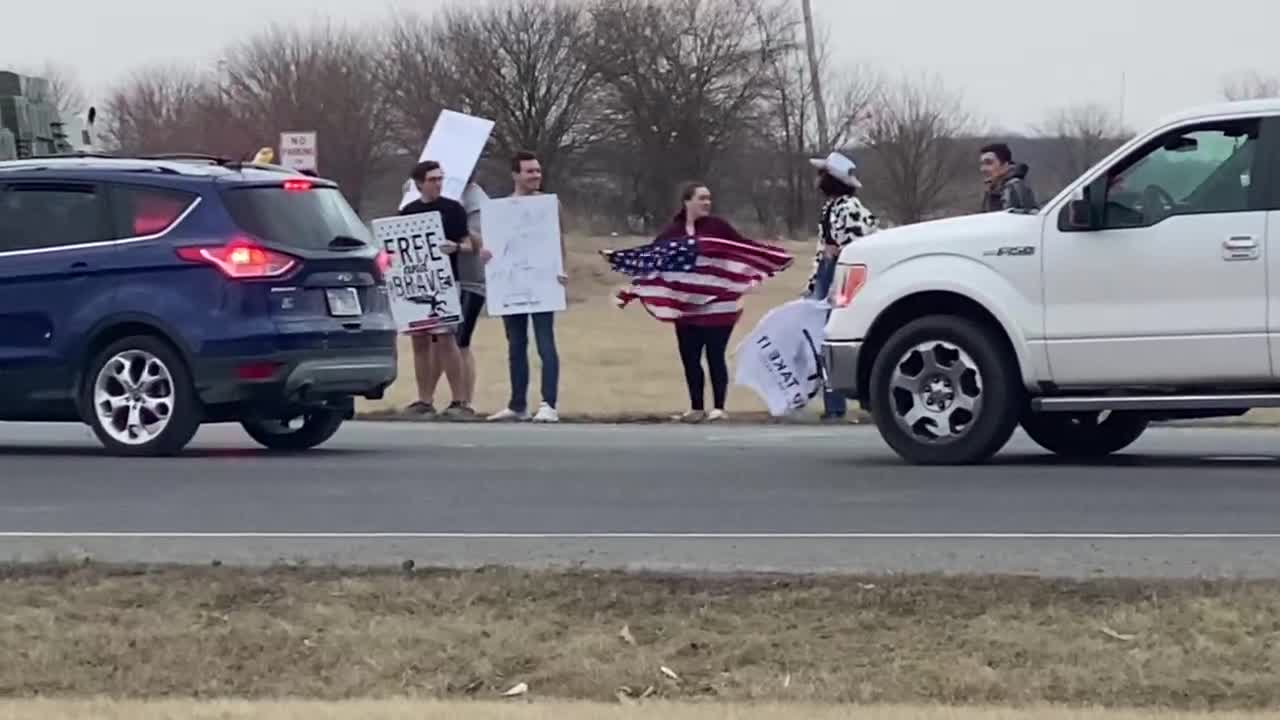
{"points": [[844, 219]]}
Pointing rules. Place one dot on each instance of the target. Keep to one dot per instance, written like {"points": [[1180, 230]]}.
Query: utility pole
{"points": [[815, 77]]}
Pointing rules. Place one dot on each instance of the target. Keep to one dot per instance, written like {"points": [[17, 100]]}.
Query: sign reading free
{"points": [[298, 151]]}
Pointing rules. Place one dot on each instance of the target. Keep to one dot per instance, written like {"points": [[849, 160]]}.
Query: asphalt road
{"points": [[1182, 502]]}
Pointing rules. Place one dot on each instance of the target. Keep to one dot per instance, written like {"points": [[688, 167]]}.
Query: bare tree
{"points": [[519, 63], [65, 91], [1250, 85], [159, 109], [914, 138], [683, 80], [323, 79], [793, 131], [1085, 134], [412, 66]]}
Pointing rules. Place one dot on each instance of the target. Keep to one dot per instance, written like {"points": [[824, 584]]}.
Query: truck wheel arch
{"points": [[919, 304]]}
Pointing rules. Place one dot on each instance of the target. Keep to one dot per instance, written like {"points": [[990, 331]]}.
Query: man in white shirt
{"points": [[471, 285], [526, 172]]}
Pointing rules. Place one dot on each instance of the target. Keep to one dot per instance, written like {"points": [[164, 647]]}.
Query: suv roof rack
{"points": [[212, 159], [73, 156]]}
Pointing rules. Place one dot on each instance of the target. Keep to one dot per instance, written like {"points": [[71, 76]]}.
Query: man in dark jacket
{"points": [[1006, 182]]}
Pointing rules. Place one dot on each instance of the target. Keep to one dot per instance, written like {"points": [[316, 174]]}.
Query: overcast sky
{"points": [[1012, 61]]}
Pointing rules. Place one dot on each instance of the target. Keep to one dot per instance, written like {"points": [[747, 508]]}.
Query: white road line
{"points": [[122, 535]]}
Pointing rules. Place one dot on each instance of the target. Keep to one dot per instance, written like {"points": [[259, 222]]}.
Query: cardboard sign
{"points": [[420, 282], [456, 142], [523, 276]]}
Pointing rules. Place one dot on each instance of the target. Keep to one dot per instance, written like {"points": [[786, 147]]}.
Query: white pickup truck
{"points": [[1144, 291]]}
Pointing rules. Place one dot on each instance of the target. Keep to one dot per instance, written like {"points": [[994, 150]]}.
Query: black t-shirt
{"points": [[452, 215]]}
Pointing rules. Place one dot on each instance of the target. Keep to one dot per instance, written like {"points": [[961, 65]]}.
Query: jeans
{"points": [[517, 327], [834, 404]]}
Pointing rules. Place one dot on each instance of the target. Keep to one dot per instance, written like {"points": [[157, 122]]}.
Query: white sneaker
{"points": [[546, 414], [717, 416], [508, 415]]}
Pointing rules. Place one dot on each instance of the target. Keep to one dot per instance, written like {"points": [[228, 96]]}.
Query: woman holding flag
{"points": [[693, 275]]}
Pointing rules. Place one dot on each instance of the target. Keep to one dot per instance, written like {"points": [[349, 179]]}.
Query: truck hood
{"points": [[968, 235]]}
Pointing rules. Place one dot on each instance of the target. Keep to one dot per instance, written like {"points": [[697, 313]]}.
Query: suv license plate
{"points": [[343, 302]]}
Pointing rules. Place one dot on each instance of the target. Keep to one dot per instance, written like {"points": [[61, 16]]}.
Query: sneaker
{"points": [[421, 408], [508, 415], [459, 410], [691, 416], [546, 414], [717, 415]]}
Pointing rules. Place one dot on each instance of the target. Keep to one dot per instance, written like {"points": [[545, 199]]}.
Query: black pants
{"points": [[693, 339]]}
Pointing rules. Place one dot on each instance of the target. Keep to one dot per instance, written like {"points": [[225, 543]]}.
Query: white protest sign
{"points": [[523, 276], [424, 293], [779, 360], [298, 151], [456, 142]]}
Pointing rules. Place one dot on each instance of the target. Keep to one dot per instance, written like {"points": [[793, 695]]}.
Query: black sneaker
{"points": [[459, 410], [421, 408]]}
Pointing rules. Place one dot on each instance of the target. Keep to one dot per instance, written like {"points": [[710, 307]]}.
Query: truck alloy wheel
{"points": [[936, 391], [945, 391]]}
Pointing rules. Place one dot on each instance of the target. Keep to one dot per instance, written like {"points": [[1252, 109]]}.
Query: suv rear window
{"points": [[144, 211], [308, 219]]}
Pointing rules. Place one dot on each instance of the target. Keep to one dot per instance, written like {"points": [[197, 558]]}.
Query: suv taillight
{"points": [[852, 279], [383, 262], [241, 259]]}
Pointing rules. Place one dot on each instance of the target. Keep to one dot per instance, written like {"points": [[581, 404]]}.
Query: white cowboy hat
{"points": [[839, 167]]}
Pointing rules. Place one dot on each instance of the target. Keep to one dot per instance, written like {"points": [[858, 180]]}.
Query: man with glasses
{"points": [[436, 351]]}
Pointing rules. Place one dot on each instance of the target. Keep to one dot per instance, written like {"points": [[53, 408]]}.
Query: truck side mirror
{"points": [[1087, 210], [1078, 214]]}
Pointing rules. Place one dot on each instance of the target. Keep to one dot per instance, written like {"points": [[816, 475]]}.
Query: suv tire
{"points": [[139, 399], [1081, 435], [317, 427], [945, 391]]}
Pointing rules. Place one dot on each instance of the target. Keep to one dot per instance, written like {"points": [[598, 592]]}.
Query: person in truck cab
{"points": [[1005, 181]]}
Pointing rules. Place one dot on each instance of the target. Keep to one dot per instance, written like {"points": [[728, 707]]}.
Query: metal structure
{"points": [[29, 120]]}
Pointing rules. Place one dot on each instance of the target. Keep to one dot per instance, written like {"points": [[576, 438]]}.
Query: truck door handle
{"points": [[1240, 247]]}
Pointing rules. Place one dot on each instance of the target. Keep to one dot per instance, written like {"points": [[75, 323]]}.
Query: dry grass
{"points": [[442, 635], [612, 361], [410, 710], [622, 364]]}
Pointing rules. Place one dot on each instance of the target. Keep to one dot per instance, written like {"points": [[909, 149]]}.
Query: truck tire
{"points": [[1083, 435], [945, 391]]}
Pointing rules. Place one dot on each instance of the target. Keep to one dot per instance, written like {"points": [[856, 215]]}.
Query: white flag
{"points": [[780, 359]]}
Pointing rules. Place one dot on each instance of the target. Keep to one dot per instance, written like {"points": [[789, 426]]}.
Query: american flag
{"points": [[704, 277]]}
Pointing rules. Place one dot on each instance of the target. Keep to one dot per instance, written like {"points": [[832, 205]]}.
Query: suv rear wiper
{"points": [[345, 242]]}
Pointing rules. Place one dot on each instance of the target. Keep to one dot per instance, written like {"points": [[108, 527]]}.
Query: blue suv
{"points": [[145, 296]]}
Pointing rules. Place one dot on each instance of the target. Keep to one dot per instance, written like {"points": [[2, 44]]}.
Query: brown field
{"points": [[613, 362], [411, 710], [325, 635], [622, 364]]}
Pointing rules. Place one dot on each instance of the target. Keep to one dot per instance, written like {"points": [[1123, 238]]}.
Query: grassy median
{"points": [[89, 632], [410, 710]]}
